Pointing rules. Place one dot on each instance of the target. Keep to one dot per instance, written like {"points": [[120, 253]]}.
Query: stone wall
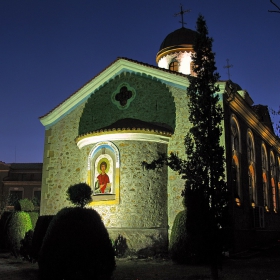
{"points": [[176, 145], [149, 200], [61, 166], [141, 215]]}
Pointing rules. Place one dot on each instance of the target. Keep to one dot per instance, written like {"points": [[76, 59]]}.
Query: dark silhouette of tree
{"points": [[205, 193], [274, 11], [79, 194]]}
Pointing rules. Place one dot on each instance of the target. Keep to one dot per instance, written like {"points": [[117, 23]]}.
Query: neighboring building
{"points": [[20, 180], [128, 114]]}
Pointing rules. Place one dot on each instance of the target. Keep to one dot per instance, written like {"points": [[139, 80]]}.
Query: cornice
{"points": [[173, 49], [123, 135], [22, 183], [244, 111]]}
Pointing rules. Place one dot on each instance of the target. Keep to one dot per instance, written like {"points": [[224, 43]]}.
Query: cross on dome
{"points": [[182, 15]]}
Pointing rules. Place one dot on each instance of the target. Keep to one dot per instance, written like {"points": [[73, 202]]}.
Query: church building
{"points": [[130, 112]]}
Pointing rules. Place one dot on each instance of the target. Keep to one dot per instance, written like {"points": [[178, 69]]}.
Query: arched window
{"points": [[236, 155], [273, 180], [265, 181], [251, 168], [174, 65]]}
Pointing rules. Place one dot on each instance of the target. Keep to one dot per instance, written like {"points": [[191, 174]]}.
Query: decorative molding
{"points": [[123, 96], [241, 108], [121, 135]]}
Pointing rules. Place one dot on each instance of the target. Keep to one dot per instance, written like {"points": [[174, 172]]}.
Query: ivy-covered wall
{"points": [[153, 103]]}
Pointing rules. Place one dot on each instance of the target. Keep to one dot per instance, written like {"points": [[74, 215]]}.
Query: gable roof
{"points": [[117, 67]]}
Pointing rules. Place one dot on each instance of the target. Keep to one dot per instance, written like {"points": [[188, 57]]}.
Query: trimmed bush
{"points": [[40, 230], [26, 246], [18, 224], [76, 246], [3, 230], [178, 246], [24, 205], [79, 194], [34, 217]]}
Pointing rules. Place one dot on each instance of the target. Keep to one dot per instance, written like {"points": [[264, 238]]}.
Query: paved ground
{"points": [[262, 266], [16, 269]]}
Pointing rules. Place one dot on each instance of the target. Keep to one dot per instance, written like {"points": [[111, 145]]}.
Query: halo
{"points": [[107, 162]]}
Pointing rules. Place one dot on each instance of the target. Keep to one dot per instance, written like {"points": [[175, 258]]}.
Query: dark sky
{"points": [[50, 48]]}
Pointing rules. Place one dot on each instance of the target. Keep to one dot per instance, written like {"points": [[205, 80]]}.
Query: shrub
{"points": [[34, 217], [178, 247], [12, 199], [120, 246], [36, 202], [76, 246], [40, 230], [24, 205], [18, 224], [79, 194], [3, 229], [26, 246]]}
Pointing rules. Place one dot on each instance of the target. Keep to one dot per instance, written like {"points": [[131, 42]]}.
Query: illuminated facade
{"points": [[128, 114]]}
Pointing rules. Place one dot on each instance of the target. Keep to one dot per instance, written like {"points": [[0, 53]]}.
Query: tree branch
{"points": [[271, 1]]}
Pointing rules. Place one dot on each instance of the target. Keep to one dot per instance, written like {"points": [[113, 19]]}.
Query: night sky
{"points": [[50, 48]]}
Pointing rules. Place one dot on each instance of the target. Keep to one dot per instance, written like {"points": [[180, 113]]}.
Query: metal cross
{"points": [[228, 66], [182, 15]]}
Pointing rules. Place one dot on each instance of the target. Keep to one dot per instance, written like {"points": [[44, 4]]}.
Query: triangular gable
{"points": [[116, 68]]}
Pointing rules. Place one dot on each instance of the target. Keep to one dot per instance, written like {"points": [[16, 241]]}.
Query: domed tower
{"points": [[175, 51]]}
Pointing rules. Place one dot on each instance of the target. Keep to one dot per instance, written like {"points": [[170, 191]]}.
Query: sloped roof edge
{"points": [[118, 66]]}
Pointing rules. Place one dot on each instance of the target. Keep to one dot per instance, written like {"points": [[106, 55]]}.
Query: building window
{"points": [[36, 196], [103, 173], [15, 194], [174, 66], [265, 181], [273, 180], [236, 155], [123, 96], [251, 168]]}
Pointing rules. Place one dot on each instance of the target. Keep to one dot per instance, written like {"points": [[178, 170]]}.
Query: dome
{"points": [[180, 40], [182, 36]]}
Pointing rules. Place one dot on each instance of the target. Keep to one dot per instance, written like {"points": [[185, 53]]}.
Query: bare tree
{"points": [[274, 11]]}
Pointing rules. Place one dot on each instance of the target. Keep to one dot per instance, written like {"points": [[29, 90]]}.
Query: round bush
{"points": [[26, 246], [79, 194], [40, 230], [178, 246], [24, 205], [76, 246], [34, 217], [3, 229], [19, 223]]}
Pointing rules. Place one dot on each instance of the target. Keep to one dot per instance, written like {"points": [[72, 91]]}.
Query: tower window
{"points": [[173, 66]]}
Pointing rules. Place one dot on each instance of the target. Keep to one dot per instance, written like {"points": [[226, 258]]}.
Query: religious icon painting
{"points": [[103, 172], [103, 165]]}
